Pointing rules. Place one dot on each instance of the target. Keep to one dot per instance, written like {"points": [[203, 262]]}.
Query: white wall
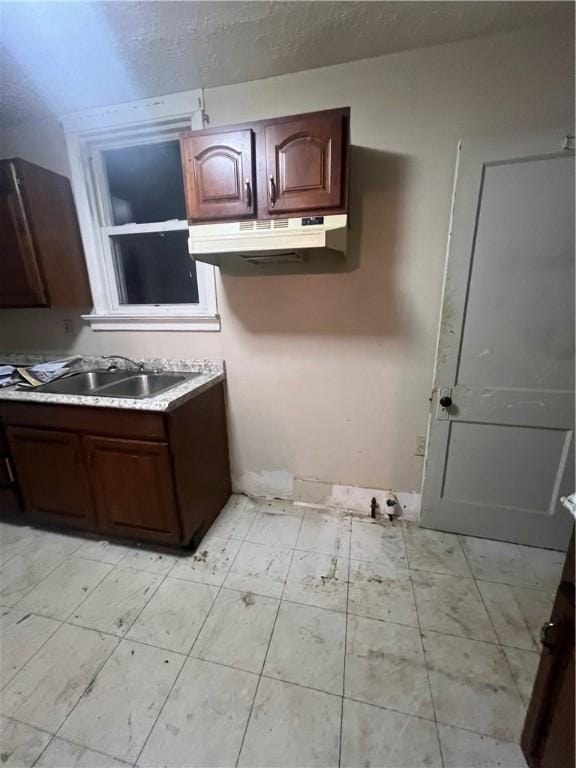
{"points": [[329, 375]]}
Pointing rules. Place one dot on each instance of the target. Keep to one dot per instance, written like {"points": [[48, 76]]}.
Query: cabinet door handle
{"points": [[272, 189], [248, 193], [549, 635], [9, 469]]}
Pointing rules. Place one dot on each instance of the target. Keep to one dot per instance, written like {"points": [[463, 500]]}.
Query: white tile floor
{"points": [[292, 637]]}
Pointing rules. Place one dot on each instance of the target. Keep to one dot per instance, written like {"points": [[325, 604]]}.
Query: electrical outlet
{"points": [[420, 446], [68, 326]]}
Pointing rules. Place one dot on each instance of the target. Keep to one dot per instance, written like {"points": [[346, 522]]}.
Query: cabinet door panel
{"points": [[304, 161], [51, 475], [219, 175], [20, 279], [548, 737], [131, 482]]}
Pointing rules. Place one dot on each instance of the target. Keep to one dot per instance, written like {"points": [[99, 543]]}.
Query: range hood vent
{"points": [[293, 241], [289, 257], [267, 225]]}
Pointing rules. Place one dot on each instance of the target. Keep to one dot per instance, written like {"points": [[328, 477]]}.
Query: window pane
{"points": [[145, 183], [155, 268]]}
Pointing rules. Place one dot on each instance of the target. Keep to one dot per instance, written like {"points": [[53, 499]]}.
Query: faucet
{"points": [[113, 366]]}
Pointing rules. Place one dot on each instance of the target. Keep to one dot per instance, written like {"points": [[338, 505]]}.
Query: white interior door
{"points": [[500, 456]]}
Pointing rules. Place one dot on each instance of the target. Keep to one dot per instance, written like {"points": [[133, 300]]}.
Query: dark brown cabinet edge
{"points": [[548, 737]]}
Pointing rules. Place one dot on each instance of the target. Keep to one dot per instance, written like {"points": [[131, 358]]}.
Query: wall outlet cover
{"points": [[420, 446]]}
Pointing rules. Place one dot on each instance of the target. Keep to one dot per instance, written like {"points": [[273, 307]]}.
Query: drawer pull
{"points": [[9, 469]]}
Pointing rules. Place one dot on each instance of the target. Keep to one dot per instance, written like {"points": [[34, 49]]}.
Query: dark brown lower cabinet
{"points": [[145, 476], [51, 474], [548, 736], [132, 490]]}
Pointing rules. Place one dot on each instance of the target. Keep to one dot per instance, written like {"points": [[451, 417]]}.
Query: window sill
{"points": [[103, 322]]}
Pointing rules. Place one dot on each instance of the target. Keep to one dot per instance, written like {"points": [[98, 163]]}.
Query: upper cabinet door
{"points": [[219, 175], [304, 163], [20, 280]]}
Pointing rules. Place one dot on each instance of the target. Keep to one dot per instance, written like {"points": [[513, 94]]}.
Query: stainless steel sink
{"points": [[82, 383], [143, 385], [116, 384]]}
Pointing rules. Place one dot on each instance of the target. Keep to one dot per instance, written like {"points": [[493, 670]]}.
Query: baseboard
{"points": [[283, 485]]}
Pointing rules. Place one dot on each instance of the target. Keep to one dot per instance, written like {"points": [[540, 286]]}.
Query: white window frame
{"points": [[87, 135]]}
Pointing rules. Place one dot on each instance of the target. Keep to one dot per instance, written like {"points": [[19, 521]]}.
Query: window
{"points": [[129, 190]]}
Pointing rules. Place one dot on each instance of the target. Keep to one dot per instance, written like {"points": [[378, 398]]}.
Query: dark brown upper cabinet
{"points": [[219, 174], [272, 168], [41, 256], [304, 163]]}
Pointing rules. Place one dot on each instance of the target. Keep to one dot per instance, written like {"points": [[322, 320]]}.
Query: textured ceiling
{"points": [[58, 57]]}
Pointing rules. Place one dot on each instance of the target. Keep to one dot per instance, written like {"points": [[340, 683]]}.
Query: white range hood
{"points": [[276, 246]]}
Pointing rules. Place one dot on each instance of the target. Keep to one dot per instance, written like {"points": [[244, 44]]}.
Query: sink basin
{"points": [[143, 385], [127, 384], [83, 383]]}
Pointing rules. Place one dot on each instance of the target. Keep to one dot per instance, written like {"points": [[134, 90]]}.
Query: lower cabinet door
{"points": [[549, 738], [132, 488], [51, 475]]}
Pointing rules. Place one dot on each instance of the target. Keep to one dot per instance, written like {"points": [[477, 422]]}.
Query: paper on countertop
{"points": [[8, 376], [39, 373]]}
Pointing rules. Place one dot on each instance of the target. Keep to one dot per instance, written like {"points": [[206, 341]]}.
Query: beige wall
{"points": [[329, 375]]}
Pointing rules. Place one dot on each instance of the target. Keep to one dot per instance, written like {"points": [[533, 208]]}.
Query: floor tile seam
{"points": [[538, 586], [256, 689], [158, 585], [305, 551], [66, 559], [37, 651], [80, 696], [528, 588], [29, 725], [502, 651], [426, 667], [258, 516], [135, 641], [444, 633], [291, 601], [380, 562], [81, 746], [345, 648], [390, 709], [14, 554], [37, 584], [478, 598], [458, 576], [88, 593], [274, 679], [162, 707], [108, 657], [346, 698], [187, 655], [50, 740]]}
